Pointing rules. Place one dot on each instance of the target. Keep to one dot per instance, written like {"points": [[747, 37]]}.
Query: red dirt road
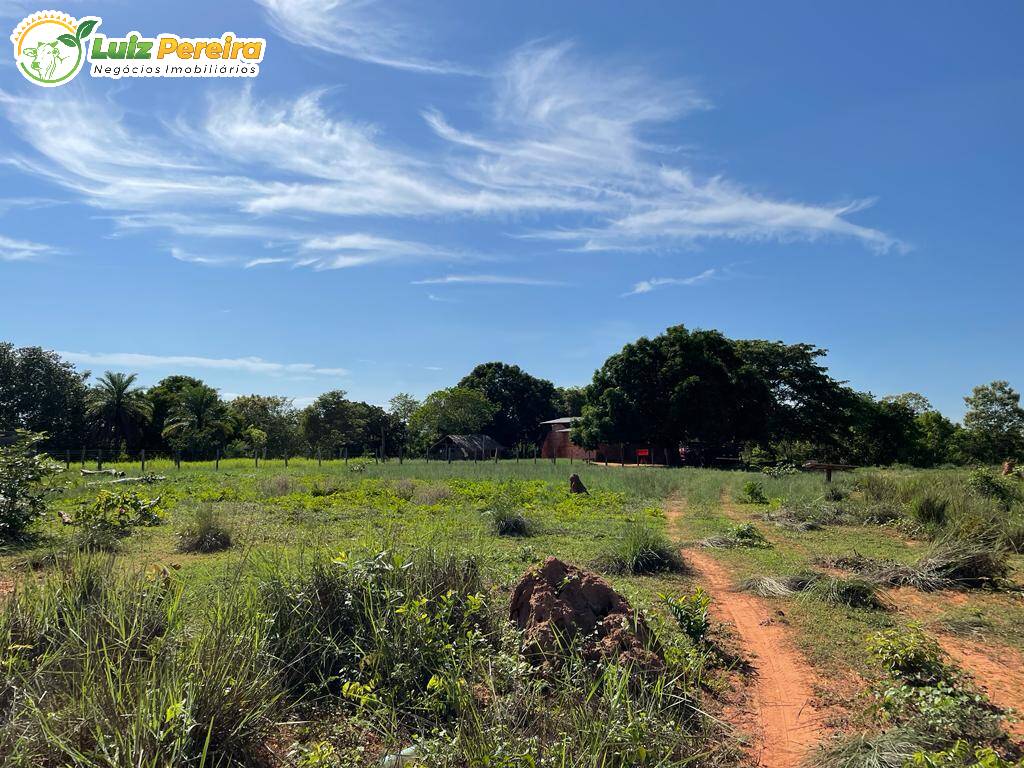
{"points": [[787, 727]]}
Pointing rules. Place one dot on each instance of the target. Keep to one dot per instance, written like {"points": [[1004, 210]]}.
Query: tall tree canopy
{"points": [[164, 397], [454, 411], [994, 422], [701, 386], [40, 392], [199, 422], [520, 401], [118, 410], [272, 415], [333, 422]]}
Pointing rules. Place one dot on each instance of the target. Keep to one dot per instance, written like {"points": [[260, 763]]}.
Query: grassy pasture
{"points": [[307, 529]]}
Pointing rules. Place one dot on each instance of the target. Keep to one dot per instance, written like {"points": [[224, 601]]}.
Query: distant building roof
{"points": [[563, 420]]}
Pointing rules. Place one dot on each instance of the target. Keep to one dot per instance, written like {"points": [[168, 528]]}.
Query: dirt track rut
{"points": [[785, 725]]}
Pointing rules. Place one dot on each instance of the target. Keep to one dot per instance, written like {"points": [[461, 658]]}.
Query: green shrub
{"points": [[24, 484], [205, 533], [104, 666], [692, 613], [752, 493], [988, 485], [925, 692], [962, 755], [379, 629], [744, 535], [641, 548]]}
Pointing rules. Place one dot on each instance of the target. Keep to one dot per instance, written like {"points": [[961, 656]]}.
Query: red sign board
{"points": [[642, 452]]}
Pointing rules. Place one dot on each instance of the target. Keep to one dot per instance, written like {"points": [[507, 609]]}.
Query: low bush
{"points": [[641, 548], [752, 493], [25, 484], [206, 532], [111, 516], [744, 535], [923, 691], [506, 514], [692, 613], [962, 755], [377, 630], [988, 485]]}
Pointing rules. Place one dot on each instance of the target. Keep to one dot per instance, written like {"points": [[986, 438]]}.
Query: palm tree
{"points": [[198, 420], [118, 409]]}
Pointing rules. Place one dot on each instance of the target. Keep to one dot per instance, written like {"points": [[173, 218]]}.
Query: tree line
{"points": [[697, 390]]}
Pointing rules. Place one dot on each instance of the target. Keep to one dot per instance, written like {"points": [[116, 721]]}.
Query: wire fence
{"points": [[96, 458]]}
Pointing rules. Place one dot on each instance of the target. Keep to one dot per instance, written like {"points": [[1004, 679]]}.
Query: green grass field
{"points": [[300, 644]]}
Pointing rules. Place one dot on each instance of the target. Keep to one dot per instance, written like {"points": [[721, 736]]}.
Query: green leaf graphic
{"points": [[85, 28], [68, 40]]}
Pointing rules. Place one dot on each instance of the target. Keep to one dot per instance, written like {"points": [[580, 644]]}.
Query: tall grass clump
{"points": [[505, 512], [101, 669], [376, 629], [641, 548], [206, 532]]}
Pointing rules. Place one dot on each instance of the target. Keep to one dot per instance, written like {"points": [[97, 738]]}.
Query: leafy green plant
{"points": [[753, 493], [962, 755], [987, 484], [743, 535], [692, 613], [25, 484]]}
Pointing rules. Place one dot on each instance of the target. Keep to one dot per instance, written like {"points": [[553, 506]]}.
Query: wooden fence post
{"points": [[67, 459], [83, 456], [142, 455], [99, 459], [177, 460], [256, 456], [216, 460], [346, 454], [319, 459], [622, 454]]}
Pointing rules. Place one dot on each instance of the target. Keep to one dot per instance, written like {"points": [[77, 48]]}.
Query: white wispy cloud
{"points": [[359, 249], [181, 254], [13, 249], [256, 365], [563, 146], [366, 30], [578, 130], [646, 286], [484, 280], [265, 260]]}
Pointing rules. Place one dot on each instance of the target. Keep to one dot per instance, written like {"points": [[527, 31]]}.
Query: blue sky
{"points": [[402, 193]]}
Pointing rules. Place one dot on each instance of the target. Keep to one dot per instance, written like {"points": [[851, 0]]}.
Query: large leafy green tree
{"points": [[164, 397], [273, 415], [994, 422], [117, 409], [333, 422], [454, 411], [699, 386], [520, 401], [42, 393], [198, 422]]}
